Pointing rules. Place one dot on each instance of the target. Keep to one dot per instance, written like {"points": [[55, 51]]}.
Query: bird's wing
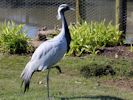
{"points": [[39, 57], [42, 50], [45, 55]]}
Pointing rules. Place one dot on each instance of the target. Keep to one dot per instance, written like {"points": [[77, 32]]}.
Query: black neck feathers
{"points": [[66, 31]]}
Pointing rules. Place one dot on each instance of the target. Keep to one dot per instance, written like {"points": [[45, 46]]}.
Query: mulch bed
{"points": [[125, 84], [117, 52]]}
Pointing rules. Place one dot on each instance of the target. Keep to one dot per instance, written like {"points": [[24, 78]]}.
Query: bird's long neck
{"points": [[65, 31]]}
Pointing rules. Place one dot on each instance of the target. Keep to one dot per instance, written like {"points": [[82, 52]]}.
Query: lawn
{"points": [[70, 85]]}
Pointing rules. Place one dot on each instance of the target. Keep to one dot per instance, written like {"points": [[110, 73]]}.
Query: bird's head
{"points": [[62, 8]]}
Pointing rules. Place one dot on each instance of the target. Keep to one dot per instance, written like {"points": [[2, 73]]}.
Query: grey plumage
{"points": [[49, 52]]}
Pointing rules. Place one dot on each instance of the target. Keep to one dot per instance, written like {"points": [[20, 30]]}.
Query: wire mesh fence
{"points": [[43, 12], [97, 10], [34, 12], [129, 19]]}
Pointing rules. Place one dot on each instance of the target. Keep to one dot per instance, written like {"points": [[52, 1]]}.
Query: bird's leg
{"points": [[48, 83], [58, 68]]}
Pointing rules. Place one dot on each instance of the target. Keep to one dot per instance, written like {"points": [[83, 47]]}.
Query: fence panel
{"points": [[34, 12], [98, 10], [43, 12], [130, 20]]}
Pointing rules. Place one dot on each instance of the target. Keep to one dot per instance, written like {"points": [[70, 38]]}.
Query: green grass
{"points": [[70, 85]]}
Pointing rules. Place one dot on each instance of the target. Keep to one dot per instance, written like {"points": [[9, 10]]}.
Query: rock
{"points": [[41, 37], [43, 33], [35, 43]]}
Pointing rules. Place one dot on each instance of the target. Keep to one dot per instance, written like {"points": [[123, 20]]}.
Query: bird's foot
{"points": [[59, 69]]}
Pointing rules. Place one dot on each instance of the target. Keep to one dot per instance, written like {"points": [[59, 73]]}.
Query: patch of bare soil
{"points": [[125, 84], [117, 52]]}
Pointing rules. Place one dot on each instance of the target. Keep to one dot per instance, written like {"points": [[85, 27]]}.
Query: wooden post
{"points": [[121, 16], [77, 11], [27, 18], [83, 8], [117, 13]]}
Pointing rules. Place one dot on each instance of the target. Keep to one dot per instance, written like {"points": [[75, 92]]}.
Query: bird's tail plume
{"points": [[26, 76]]}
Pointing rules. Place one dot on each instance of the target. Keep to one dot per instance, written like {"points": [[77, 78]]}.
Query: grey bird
{"points": [[49, 52]]}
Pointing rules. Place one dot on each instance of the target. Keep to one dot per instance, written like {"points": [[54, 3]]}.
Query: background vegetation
{"points": [[90, 37], [12, 39]]}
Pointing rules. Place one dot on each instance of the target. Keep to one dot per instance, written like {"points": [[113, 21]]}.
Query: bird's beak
{"points": [[72, 9]]}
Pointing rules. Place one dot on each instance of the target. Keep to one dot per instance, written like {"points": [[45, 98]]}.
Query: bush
{"points": [[102, 66], [97, 70], [90, 37], [12, 39]]}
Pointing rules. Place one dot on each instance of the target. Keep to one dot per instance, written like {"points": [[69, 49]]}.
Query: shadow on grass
{"points": [[90, 97]]}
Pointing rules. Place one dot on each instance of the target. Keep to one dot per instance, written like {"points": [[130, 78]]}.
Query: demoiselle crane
{"points": [[49, 52]]}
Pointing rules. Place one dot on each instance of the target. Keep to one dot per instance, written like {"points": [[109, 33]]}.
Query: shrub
{"points": [[89, 37], [97, 70], [12, 39], [102, 66]]}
